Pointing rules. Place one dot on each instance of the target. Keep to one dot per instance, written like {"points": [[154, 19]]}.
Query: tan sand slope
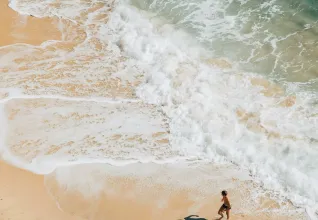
{"points": [[24, 197], [121, 196]]}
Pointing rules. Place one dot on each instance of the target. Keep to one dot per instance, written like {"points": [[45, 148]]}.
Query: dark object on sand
{"points": [[197, 218]]}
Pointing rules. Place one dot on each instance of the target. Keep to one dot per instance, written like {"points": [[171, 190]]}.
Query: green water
{"points": [[278, 39]]}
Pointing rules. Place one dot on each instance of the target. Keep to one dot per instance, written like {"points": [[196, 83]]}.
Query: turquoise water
{"points": [[274, 38]]}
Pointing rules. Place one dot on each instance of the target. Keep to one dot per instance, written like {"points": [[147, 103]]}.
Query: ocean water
{"points": [[166, 81]]}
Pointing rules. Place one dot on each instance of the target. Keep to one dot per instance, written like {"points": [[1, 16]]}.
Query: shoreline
{"points": [[152, 192], [18, 188]]}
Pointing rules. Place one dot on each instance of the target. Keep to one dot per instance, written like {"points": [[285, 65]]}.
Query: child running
{"points": [[226, 205]]}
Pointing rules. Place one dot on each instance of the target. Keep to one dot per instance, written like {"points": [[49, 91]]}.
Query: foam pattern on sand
{"points": [[45, 133], [169, 191]]}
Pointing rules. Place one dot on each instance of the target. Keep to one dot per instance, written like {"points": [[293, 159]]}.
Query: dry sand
{"points": [[27, 196]]}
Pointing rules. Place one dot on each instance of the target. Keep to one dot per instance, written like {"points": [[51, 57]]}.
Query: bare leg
{"points": [[228, 214], [220, 212]]}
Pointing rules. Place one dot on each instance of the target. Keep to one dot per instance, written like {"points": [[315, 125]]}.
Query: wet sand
{"points": [[16, 28], [23, 196], [122, 197], [18, 187]]}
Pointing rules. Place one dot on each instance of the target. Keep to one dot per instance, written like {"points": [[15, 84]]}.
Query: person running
{"points": [[226, 205]]}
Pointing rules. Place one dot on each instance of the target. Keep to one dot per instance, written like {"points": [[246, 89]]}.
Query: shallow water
{"points": [[185, 80], [276, 38]]}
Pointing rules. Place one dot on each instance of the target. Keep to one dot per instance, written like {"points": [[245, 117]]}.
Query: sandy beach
{"points": [[127, 196], [137, 191]]}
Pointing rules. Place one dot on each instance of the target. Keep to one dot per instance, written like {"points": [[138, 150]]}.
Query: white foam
{"points": [[3, 123], [47, 166], [73, 99], [203, 116]]}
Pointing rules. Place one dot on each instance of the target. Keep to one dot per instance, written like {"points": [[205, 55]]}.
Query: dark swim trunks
{"points": [[226, 207]]}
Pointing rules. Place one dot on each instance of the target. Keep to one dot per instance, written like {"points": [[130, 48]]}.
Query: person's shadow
{"points": [[190, 217]]}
